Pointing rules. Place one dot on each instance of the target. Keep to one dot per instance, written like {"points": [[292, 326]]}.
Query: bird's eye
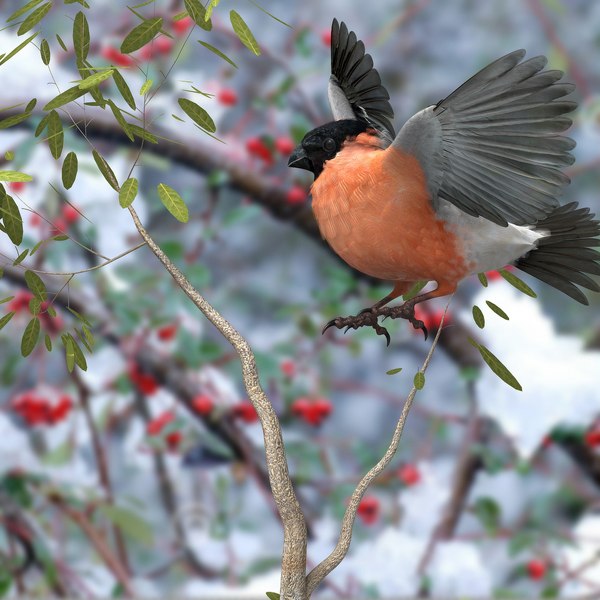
{"points": [[329, 145]]}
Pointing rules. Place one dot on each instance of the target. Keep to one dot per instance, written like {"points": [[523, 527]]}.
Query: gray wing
{"points": [[492, 146], [355, 90]]}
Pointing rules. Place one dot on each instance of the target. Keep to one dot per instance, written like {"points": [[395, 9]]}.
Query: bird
{"points": [[468, 185]]}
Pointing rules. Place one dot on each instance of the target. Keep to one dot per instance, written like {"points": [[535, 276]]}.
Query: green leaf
{"points": [[243, 32], [5, 300], [69, 351], [81, 37], [129, 522], [211, 6], [414, 290], [393, 371], [270, 15], [78, 355], [30, 336], [17, 49], [34, 18], [42, 125], [20, 258], [124, 89], [9, 155], [497, 310], [89, 338], [217, 52], [69, 170], [31, 105], [95, 79], [35, 306], [6, 580], [36, 247], [21, 11], [5, 319], [79, 316], [198, 13], [482, 279], [273, 596], [173, 202], [197, 114], [496, 366], [48, 342], [62, 44], [11, 217], [487, 510], [15, 176], [518, 283], [36, 285], [142, 34], [419, 380], [128, 192], [56, 136], [14, 120], [64, 98], [478, 317], [143, 133], [106, 171], [45, 52], [146, 87], [116, 111]]}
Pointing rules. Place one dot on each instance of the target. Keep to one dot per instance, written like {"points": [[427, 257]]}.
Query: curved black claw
{"points": [[404, 312], [329, 324], [366, 317]]}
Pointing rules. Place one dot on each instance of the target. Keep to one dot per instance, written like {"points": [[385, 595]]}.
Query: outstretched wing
{"points": [[355, 90], [492, 146]]}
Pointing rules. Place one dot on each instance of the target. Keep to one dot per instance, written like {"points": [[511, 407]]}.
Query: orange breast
{"points": [[373, 208]]}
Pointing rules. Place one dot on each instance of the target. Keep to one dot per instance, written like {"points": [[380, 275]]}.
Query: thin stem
{"points": [[316, 576]]}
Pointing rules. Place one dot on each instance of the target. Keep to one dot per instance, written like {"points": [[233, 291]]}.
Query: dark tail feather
{"points": [[563, 258]]}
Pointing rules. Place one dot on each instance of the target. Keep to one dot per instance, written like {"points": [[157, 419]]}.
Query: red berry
{"points": [[163, 44], [284, 145], [173, 440], [16, 186], [143, 381], [300, 406], [312, 415], [326, 37], [296, 195], [167, 332], [536, 569], [256, 147], [203, 405], [59, 226], [156, 425], [61, 409], [409, 474], [323, 407], [368, 510], [431, 319], [246, 412], [20, 302], [35, 220], [227, 97], [70, 213], [117, 58], [592, 438], [182, 25], [288, 367]]}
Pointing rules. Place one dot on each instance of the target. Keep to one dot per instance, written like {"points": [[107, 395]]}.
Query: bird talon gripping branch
{"points": [[468, 185]]}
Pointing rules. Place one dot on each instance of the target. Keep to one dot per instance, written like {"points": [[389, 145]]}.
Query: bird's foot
{"points": [[404, 311], [365, 318]]}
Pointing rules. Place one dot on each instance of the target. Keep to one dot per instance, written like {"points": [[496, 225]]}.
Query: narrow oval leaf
{"points": [[35, 306], [20, 47], [25, 8], [419, 380], [14, 120], [61, 43], [218, 53], [106, 171], [273, 596], [36, 285], [173, 202], [21, 258], [129, 522], [128, 192], [9, 155], [11, 218], [478, 317], [482, 279], [69, 352], [243, 32], [518, 283], [42, 125], [56, 136], [78, 355], [142, 34], [48, 343], [142, 133], [69, 170], [5, 319], [496, 366], [34, 18], [30, 336], [45, 52], [197, 114], [31, 105], [121, 120], [198, 13], [124, 89], [81, 37], [15, 176], [146, 87], [393, 371], [497, 310], [95, 79], [64, 98]]}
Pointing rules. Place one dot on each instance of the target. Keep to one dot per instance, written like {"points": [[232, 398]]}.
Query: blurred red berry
{"points": [[182, 25], [312, 412], [326, 37], [173, 440], [227, 97], [495, 275], [59, 226], [70, 213], [284, 145], [547, 441], [39, 410], [409, 474], [592, 438], [368, 510], [160, 45], [20, 302], [431, 319], [246, 412], [202, 404], [536, 569], [16, 186], [35, 220], [61, 409], [167, 332], [323, 407], [300, 406], [288, 367], [296, 195], [256, 147], [145, 383], [156, 425], [117, 58]]}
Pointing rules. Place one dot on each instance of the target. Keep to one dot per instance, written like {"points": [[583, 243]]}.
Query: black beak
{"points": [[299, 160]]}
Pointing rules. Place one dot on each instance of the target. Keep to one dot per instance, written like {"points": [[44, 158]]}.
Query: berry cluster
{"points": [[36, 409], [312, 412], [144, 382], [156, 426]]}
